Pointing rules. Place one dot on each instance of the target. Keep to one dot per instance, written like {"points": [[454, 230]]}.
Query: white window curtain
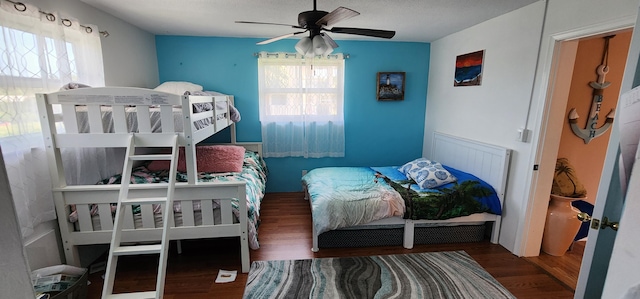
{"points": [[39, 52], [301, 105]]}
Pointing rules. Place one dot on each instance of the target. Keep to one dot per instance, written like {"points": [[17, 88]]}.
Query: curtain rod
{"points": [[257, 54], [19, 6]]}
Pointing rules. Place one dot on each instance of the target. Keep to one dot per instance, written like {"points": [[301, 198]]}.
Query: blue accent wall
{"points": [[377, 133]]}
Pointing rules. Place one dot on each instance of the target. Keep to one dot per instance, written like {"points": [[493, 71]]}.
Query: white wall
{"points": [[494, 111], [129, 53], [513, 95]]}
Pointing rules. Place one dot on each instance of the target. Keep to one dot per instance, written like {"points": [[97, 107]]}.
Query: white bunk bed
{"points": [[486, 161], [104, 117]]}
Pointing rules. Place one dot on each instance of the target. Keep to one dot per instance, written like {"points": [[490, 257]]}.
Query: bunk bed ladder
{"points": [[126, 202]]}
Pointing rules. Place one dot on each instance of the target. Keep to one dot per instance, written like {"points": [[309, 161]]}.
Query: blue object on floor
{"points": [[585, 207]]}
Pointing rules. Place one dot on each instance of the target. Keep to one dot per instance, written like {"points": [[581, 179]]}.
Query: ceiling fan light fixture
{"points": [[320, 47], [304, 46]]}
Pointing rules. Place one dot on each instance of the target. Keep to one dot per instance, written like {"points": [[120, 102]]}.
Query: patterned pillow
{"points": [[426, 173]]}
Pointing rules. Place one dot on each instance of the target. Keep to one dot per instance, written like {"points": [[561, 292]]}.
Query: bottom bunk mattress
{"points": [[343, 197], [254, 174]]}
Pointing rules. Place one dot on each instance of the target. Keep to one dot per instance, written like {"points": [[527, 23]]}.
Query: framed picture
{"points": [[390, 86], [469, 69]]}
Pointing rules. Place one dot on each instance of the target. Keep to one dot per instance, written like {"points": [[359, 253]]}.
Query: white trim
{"points": [[529, 225]]}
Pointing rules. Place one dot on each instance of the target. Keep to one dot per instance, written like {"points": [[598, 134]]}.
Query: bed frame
{"points": [[488, 162], [145, 102]]}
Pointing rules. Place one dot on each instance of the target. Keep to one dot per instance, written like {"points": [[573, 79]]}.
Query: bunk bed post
{"points": [[58, 180], [244, 237], [47, 123], [233, 124], [189, 146]]}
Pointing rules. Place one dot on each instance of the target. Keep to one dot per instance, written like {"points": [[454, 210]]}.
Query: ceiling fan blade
{"points": [[264, 42], [337, 15], [329, 40], [263, 23], [362, 31]]}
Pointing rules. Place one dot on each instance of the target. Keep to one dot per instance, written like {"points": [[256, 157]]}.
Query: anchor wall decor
{"points": [[591, 131]]}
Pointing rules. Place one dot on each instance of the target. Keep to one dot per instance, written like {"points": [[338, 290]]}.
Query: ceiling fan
{"points": [[315, 22]]}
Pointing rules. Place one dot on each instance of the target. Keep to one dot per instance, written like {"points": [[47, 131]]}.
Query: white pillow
{"points": [[178, 87], [427, 174]]}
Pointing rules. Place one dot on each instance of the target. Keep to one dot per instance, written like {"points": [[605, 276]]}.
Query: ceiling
{"points": [[413, 20]]}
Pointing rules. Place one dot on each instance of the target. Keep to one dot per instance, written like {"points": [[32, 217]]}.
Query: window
{"points": [[29, 75], [301, 105], [39, 54]]}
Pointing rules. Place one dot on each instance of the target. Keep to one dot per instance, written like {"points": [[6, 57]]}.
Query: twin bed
{"points": [[371, 206], [207, 203]]}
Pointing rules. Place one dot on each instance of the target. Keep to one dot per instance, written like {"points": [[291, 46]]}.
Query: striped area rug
{"points": [[450, 274]]}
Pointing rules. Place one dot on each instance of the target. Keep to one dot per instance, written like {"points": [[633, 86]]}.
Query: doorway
{"points": [[577, 60]]}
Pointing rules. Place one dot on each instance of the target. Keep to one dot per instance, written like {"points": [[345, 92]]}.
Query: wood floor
{"points": [[285, 233], [565, 268]]}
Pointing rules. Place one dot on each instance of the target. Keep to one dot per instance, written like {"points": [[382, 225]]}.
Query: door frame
{"points": [[548, 142]]}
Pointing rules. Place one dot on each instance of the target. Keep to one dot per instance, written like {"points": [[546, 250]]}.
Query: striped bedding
{"points": [[254, 174]]}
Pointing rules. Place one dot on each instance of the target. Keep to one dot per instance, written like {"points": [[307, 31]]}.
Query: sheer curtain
{"points": [[40, 52], [301, 105]]}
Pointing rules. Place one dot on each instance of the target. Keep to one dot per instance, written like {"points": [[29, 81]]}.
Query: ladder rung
{"points": [[137, 249], [151, 157], [150, 294], [146, 200]]}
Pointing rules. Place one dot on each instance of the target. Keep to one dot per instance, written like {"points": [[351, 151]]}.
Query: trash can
{"points": [[61, 282]]}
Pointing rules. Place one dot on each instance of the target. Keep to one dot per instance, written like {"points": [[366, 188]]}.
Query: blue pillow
{"points": [[426, 173], [391, 172]]}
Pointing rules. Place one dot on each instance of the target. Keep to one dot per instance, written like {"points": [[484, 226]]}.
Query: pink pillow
{"points": [[210, 158], [221, 158]]}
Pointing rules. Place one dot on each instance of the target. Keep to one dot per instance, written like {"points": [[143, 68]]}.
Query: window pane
{"points": [[72, 63], [282, 76], [284, 104], [22, 59], [321, 104], [17, 116]]}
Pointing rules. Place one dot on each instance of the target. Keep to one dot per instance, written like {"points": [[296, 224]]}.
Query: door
{"points": [[623, 277], [600, 249]]}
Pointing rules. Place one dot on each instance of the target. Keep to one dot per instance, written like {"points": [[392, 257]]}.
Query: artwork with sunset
{"points": [[469, 69]]}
